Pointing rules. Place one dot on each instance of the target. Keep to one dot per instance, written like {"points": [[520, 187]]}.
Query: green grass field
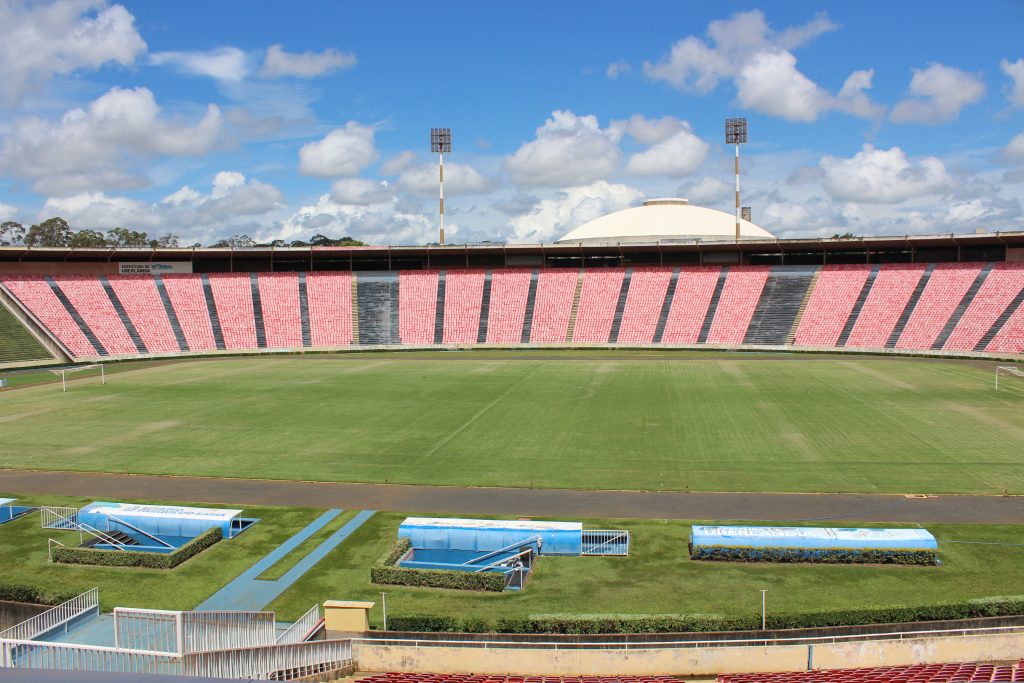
{"points": [[589, 419]]}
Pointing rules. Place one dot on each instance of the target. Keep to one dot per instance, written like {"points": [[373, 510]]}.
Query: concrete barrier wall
{"points": [[685, 660]]}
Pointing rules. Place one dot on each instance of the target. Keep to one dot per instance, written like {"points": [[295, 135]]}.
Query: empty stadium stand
{"points": [[954, 307], [917, 673], [397, 677]]}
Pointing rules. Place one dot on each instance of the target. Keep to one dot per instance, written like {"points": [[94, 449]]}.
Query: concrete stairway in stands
{"points": [[439, 310], [620, 306], [531, 300], [211, 307], [574, 311], [257, 311], [791, 337], [783, 293], [666, 306], [709, 317], [961, 308], [844, 336], [485, 307], [304, 311], [908, 310], [172, 317], [129, 326], [377, 304], [987, 338]]}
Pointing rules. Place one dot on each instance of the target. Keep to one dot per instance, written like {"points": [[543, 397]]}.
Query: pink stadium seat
{"points": [[690, 303], [1003, 283], [892, 289], [282, 316], [510, 288], [736, 306], [142, 303], [186, 295], [647, 289], [830, 305], [86, 294], [598, 300], [463, 292], [417, 306], [946, 287], [37, 296], [232, 293], [1010, 338], [556, 288], [330, 308]]}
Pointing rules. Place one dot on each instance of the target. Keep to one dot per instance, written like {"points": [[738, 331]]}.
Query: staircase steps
{"points": [[211, 307], [257, 311], [16, 342], [997, 326], [73, 312], [378, 308], [666, 306], [613, 336], [908, 310], [531, 300], [118, 536], [129, 326], [961, 308], [439, 311], [709, 317], [783, 293], [791, 337], [307, 339], [844, 336], [485, 307], [355, 310], [575, 307], [179, 334]]}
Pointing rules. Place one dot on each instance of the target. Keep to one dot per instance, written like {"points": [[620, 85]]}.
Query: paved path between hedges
{"points": [[527, 502]]}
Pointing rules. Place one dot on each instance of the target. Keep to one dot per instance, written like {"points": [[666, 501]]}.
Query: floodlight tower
{"points": [[441, 144], [736, 134]]}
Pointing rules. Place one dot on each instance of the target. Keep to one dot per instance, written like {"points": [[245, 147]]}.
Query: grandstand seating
{"points": [[464, 291], [282, 314], [397, 677], [1003, 283], [16, 343], [889, 296], [330, 308], [736, 307], [186, 295], [915, 673], [141, 301], [417, 306], [954, 307], [946, 287], [509, 290], [551, 311], [597, 304], [690, 304], [647, 290]]}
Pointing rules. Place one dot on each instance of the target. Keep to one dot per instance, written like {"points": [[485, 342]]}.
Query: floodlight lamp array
{"points": [[735, 131], [441, 140]]}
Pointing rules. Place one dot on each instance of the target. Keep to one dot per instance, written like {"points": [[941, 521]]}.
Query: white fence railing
{"points": [[302, 629], [54, 617], [285, 662], [59, 518], [34, 654], [605, 542], [187, 632]]}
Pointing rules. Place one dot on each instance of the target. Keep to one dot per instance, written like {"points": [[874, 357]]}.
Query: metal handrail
{"points": [[102, 535], [738, 642], [303, 627], [502, 561], [619, 534], [54, 617], [135, 528], [510, 546]]}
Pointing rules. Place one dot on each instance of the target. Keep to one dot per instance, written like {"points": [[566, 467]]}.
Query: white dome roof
{"points": [[664, 219]]}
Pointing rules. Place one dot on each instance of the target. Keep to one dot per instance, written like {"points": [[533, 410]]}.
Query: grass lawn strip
{"points": [[279, 568]]}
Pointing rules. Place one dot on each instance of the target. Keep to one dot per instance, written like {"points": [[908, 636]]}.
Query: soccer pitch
{"points": [[585, 419]]}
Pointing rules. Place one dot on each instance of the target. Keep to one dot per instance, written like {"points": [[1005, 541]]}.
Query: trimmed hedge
{"points": [[597, 624], [30, 594], [384, 571], [134, 558], [824, 555]]}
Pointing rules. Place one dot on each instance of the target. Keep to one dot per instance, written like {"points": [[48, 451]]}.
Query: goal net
{"points": [[78, 373], [1009, 377]]}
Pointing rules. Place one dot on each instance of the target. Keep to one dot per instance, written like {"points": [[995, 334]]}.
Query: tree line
{"points": [[55, 232]]}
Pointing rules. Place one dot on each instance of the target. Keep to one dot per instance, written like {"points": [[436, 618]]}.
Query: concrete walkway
{"points": [[247, 592], [864, 507]]}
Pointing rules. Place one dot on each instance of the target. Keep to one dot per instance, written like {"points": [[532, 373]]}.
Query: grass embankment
{"points": [[593, 420]]}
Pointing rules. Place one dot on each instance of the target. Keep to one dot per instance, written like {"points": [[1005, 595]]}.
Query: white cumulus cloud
{"points": [[342, 152], [278, 63], [96, 210], [1015, 150], [760, 63], [7, 212], [707, 191], [382, 223], [40, 40], [1015, 70], [222, 64], [458, 179], [568, 150], [550, 218], [616, 69], [361, 191], [674, 150], [938, 93], [883, 176], [94, 148]]}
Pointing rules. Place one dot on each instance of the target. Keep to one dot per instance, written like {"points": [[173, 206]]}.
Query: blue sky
{"points": [[207, 119]]}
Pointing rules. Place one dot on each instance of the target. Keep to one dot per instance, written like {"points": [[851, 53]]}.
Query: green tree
{"points": [[53, 232], [123, 237], [235, 242], [12, 234], [167, 241], [87, 238], [844, 236]]}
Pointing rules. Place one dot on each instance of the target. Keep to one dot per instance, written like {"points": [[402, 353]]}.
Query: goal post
{"points": [[1008, 370], [71, 369]]}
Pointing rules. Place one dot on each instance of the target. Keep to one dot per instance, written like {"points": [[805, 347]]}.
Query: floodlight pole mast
{"points": [[736, 134], [441, 144]]}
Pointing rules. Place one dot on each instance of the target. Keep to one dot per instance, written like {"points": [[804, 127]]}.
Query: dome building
{"points": [[662, 220]]}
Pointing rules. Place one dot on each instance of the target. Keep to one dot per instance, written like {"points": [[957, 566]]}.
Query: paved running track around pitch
{"points": [[951, 509]]}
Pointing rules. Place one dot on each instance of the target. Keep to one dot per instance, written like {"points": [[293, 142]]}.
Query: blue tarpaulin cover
{"points": [[810, 537], [439, 533]]}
